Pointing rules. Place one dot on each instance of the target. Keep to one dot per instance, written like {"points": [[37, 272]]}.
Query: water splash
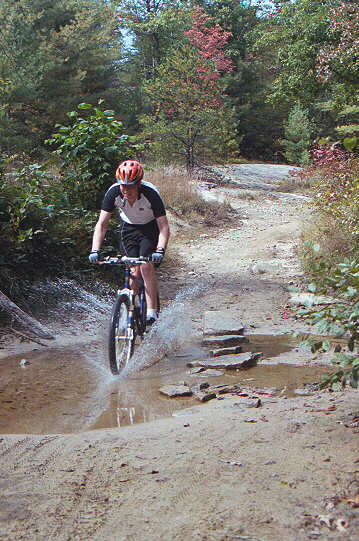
{"points": [[68, 298], [173, 329]]}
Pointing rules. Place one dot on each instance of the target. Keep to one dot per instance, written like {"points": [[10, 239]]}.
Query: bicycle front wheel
{"points": [[122, 335]]}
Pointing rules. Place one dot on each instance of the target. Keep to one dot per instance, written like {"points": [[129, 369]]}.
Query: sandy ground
{"points": [[288, 470]]}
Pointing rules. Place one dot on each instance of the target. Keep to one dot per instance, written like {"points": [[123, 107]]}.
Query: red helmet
{"points": [[129, 172]]}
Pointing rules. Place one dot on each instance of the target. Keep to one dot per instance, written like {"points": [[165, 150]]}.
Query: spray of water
{"points": [[173, 329]]}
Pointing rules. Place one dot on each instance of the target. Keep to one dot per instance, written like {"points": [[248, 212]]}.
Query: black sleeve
{"points": [[108, 202], [155, 200]]}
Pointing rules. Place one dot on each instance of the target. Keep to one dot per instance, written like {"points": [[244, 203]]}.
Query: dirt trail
{"points": [[219, 471]]}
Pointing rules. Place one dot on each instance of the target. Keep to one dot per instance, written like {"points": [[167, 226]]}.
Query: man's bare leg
{"points": [[150, 280]]}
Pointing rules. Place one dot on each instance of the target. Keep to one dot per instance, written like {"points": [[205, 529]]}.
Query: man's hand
{"points": [[93, 257], [158, 255]]}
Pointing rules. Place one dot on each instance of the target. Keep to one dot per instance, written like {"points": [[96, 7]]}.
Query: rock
{"points": [[247, 403], [200, 387], [176, 390], [233, 389], [224, 341], [196, 370], [260, 268], [254, 173], [222, 322], [225, 351], [302, 392], [211, 373], [230, 362], [204, 396], [252, 403], [271, 391]]}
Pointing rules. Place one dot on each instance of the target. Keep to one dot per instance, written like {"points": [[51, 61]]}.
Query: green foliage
{"points": [[90, 151], [41, 233], [338, 316], [53, 54], [294, 37], [297, 140], [30, 209], [349, 114]]}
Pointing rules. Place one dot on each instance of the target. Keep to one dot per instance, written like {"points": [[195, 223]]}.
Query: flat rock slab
{"points": [[211, 373], [227, 389], [196, 370], [230, 362], [204, 396], [222, 322], [224, 341], [254, 172], [176, 390], [225, 351]]}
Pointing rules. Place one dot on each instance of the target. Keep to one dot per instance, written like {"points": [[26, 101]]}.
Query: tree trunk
{"points": [[26, 322]]}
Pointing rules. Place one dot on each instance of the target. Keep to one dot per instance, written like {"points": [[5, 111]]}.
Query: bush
{"points": [[340, 318], [90, 151], [41, 234], [335, 223]]}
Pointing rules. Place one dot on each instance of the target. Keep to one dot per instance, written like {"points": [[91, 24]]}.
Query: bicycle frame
{"points": [[137, 310], [140, 294]]}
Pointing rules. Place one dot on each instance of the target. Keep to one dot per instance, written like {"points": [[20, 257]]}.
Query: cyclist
{"points": [[144, 229]]}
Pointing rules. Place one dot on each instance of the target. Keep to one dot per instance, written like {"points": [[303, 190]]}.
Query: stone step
{"points": [[229, 362], [222, 322], [225, 341], [225, 351]]}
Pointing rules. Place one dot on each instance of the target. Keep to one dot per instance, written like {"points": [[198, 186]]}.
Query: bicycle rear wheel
{"points": [[122, 335]]}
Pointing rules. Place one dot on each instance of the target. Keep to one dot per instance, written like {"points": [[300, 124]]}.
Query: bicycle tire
{"points": [[120, 345]]}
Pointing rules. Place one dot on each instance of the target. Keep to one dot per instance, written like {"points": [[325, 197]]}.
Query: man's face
{"points": [[130, 193]]}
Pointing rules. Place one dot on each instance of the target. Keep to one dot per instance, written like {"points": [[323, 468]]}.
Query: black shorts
{"points": [[138, 240]]}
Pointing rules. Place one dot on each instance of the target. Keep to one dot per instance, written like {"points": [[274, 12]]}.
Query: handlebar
{"points": [[124, 260]]}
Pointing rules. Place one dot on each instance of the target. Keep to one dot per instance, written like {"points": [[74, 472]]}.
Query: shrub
{"points": [[336, 193], [324, 153], [335, 222], [41, 234], [90, 151], [340, 318]]}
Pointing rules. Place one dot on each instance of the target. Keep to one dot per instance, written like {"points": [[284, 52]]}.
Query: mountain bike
{"points": [[128, 317]]}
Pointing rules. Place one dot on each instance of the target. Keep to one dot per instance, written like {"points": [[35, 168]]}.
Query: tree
{"points": [[293, 38], [54, 54], [154, 25], [338, 68], [256, 120], [297, 140], [187, 94], [339, 59]]}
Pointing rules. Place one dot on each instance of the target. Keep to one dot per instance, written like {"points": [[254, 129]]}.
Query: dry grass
{"points": [[333, 241], [182, 199], [296, 184]]}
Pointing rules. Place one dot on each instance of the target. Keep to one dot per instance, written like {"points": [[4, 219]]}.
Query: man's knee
{"points": [[147, 270]]}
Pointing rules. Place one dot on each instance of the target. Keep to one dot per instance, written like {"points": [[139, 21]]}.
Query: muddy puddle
{"points": [[69, 389]]}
